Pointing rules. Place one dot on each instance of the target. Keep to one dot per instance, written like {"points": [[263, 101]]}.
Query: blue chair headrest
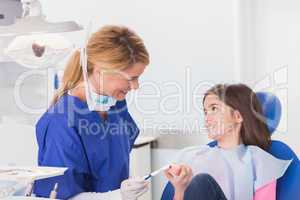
{"points": [[271, 107]]}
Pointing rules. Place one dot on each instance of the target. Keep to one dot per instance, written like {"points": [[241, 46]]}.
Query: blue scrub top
{"points": [[96, 151]]}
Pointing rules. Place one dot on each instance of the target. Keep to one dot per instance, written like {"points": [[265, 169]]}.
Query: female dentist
{"points": [[88, 128]]}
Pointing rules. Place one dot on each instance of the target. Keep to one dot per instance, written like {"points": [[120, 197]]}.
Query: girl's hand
{"points": [[180, 176]]}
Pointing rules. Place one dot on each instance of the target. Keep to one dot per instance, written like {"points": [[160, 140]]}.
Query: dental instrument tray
{"points": [[29, 173]]}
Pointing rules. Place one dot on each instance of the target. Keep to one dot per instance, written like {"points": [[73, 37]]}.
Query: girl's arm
{"points": [[180, 176]]}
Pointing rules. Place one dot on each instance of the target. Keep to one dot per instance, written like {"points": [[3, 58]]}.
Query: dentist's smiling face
{"points": [[219, 117], [117, 83]]}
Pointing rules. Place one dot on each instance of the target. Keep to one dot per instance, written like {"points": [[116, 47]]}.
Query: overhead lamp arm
{"points": [[31, 8], [34, 22]]}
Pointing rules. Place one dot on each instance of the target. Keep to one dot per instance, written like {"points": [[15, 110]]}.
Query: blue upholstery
{"points": [[271, 107], [288, 186]]}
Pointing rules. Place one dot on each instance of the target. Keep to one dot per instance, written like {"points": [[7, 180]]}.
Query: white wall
{"points": [[190, 42], [271, 58]]}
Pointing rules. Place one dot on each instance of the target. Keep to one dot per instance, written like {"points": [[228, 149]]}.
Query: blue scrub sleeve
{"points": [[62, 148]]}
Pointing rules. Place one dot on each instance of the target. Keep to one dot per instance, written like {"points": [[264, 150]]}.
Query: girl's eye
{"points": [[214, 109]]}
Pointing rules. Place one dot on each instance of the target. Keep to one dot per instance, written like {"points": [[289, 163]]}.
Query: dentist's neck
{"points": [[79, 91]]}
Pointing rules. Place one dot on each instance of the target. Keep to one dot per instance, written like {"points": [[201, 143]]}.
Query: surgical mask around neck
{"points": [[96, 102], [102, 102]]}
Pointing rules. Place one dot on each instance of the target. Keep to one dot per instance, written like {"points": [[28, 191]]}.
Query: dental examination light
{"points": [[37, 43]]}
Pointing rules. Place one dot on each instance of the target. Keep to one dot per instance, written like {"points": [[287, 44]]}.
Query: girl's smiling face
{"points": [[220, 119]]}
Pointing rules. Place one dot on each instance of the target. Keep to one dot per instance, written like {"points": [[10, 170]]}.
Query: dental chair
{"points": [[288, 186]]}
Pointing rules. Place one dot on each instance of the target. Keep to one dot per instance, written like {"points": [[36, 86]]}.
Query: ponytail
{"points": [[71, 78]]}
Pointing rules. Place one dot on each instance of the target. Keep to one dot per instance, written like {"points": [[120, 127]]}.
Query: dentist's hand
{"points": [[133, 188]]}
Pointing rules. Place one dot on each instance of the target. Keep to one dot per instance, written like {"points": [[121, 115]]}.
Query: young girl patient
{"points": [[239, 166]]}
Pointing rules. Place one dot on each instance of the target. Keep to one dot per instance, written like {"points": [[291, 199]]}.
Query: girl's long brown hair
{"points": [[240, 97]]}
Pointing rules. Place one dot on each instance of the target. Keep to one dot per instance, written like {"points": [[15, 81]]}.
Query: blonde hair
{"points": [[115, 46]]}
